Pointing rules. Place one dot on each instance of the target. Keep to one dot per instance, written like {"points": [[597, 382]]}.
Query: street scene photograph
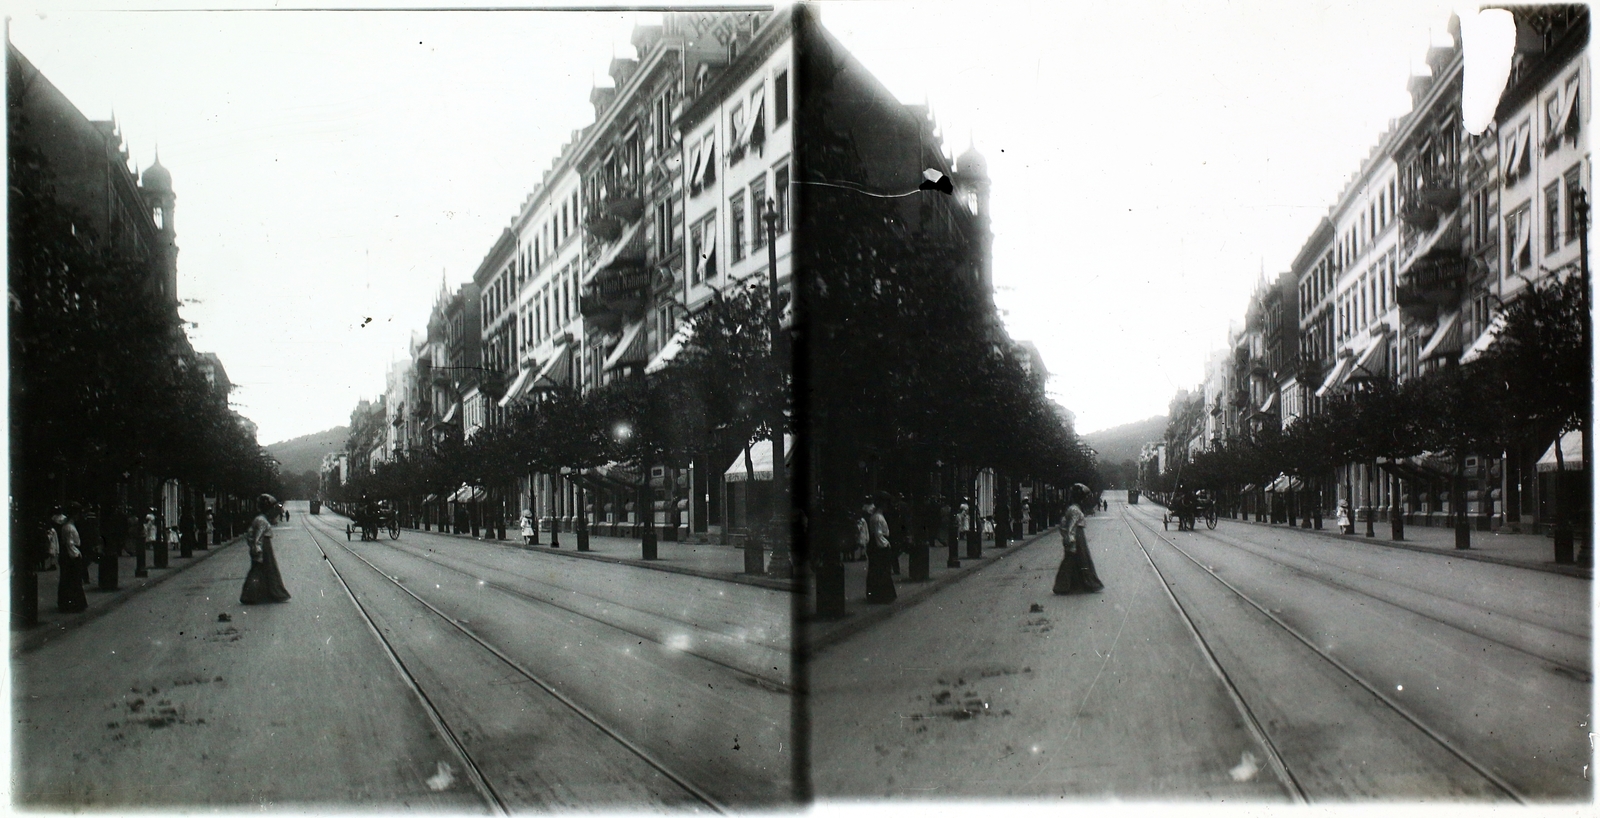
{"points": [[1221, 435], [841, 406], [387, 430]]}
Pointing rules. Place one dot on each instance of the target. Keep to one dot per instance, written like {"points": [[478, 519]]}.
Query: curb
{"points": [[740, 579], [28, 641], [810, 646], [1547, 567]]}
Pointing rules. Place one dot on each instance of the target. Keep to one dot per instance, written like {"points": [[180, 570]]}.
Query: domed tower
{"points": [[972, 187], [155, 184]]}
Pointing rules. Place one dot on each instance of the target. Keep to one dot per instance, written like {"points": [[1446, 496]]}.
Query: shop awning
{"points": [[624, 242], [1571, 453], [1373, 363], [556, 372], [1270, 405], [1486, 340], [514, 391], [1249, 487], [1336, 376], [760, 461], [1285, 482], [629, 350], [451, 415], [1445, 339], [432, 498], [675, 345], [468, 494]]}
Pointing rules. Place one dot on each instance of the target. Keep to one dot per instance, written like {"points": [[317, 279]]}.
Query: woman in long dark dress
{"points": [[1076, 574], [880, 577], [263, 583]]}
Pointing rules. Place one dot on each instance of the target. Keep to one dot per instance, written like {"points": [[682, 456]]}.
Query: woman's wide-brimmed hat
{"points": [[266, 501]]}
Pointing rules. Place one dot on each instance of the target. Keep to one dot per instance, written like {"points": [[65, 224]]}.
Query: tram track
{"points": [[729, 643], [1296, 566], [1284, 763], [472, 764]]}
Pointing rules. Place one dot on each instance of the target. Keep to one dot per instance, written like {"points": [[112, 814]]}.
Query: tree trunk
{"points": [[1458, 504], [646, 513]]}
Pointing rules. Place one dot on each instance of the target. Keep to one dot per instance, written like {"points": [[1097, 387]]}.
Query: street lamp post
{"points": [[1580, 211], [781, 565]]}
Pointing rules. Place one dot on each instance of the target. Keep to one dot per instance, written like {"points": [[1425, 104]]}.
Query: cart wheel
{"points": [[394, 529], [1211, 521]]}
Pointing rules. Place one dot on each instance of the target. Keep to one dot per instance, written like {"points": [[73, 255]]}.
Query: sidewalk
{"points": [[859, 615], [1535, 551], [719, 562], [53, 623]]}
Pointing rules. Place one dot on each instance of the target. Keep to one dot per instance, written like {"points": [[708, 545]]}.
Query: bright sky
{"points": [[1149, 161], [329, 168]]}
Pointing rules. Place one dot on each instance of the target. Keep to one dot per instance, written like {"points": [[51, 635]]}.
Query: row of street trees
{"points": [[1533, 384], [718, 394], [108, 400]]}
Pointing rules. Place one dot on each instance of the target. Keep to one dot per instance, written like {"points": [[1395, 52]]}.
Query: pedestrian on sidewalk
{"points": [[211, 527], [863, 538], [152, 536], [69, 588], [527, 527], [880, 550], [1346, 524], [264, 583], [1076, 574]]}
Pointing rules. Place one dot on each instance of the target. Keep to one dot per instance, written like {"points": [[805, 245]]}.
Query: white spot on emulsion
{"points": [[1247, 768], [1399, 687], [442, 779], [678, 641]]}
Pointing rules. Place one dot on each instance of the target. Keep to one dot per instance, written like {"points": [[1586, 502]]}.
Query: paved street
{"points": [[1430, 676], [578, 685]]}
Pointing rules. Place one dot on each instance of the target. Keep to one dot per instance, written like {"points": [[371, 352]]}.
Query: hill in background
{"points": [[303, 454], [1123, 442]]}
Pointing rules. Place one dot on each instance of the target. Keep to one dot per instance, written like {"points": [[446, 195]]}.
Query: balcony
{"points": [[603, 226], [1436, 195], [1431, 282]]}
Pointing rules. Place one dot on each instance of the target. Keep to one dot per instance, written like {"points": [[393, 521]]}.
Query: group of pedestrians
{"points": [[1076, 574], [71, 550]]}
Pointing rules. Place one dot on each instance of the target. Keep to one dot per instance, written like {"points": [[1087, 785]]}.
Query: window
{"points": [[780, 100], [1574, 184], [1552, 217], [758, 207], [735, 132], [1552, 122], [703, 249], [1519, 252], [1571, 115], [736, 226], [780, 191]]}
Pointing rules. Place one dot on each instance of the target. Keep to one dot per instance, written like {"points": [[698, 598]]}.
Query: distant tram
{"points": [[316, 506], [1133, 497]]}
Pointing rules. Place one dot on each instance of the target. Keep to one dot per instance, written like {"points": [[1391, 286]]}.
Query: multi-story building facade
{"points": [[496, 283], [1314, 279], [738, 153], [1544, 161]]}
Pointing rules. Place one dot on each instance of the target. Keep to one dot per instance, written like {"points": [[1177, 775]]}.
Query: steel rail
{"points": [[644, 755], [775, 685], [1252, 724], [1377, 692], [479, 781]]}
